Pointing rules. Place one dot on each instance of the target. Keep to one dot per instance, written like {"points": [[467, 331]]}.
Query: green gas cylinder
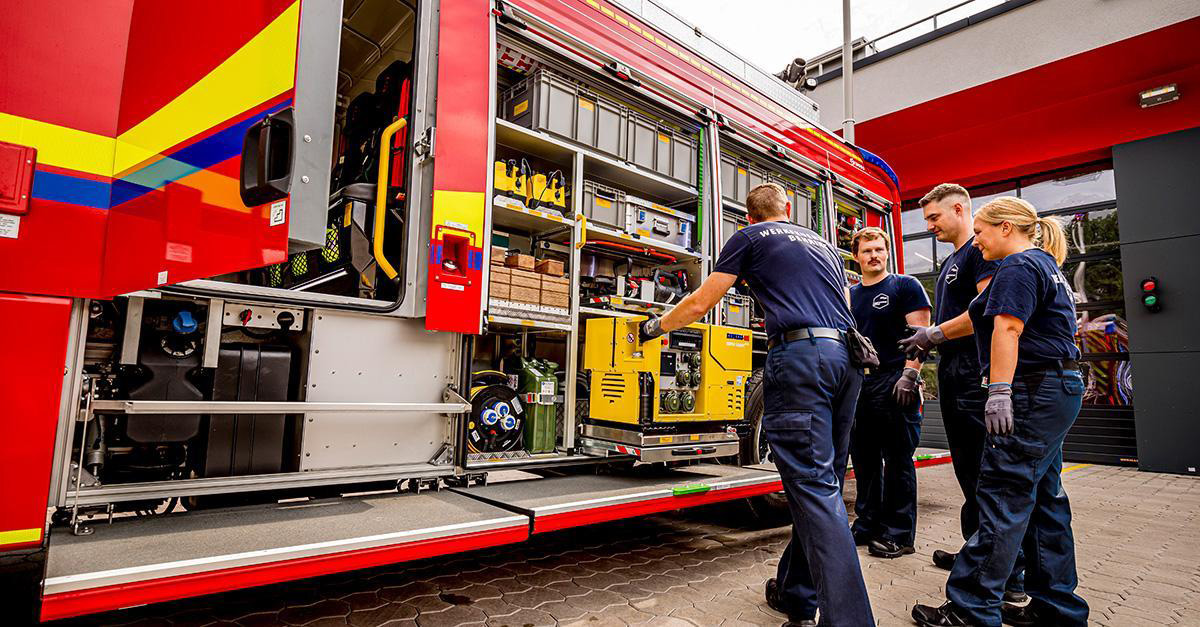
{"points": [[538, 387]]}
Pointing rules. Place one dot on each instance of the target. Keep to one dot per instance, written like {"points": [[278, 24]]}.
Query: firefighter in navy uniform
{"points": [[810, 393], [964, 274], [887, 423], [1025, 330]]}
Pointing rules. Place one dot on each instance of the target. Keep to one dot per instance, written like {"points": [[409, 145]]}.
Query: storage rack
{"points": [[573, 229]]}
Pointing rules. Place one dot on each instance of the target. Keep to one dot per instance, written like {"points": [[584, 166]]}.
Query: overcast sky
{"points": [[770, 33]]}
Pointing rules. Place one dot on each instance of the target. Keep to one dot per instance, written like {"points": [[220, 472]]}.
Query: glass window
{"points": [[1103, 332], [1091, 232], [912, 221], [918, 255], [1108, 382], [982, 199], [929, 282], [1071, 190], [1095, 280], [944, 249]]}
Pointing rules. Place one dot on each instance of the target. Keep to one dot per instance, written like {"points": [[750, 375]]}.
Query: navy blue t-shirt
{"points": [[1030, 287], [796, 276], [956, 289], [879, 312]]}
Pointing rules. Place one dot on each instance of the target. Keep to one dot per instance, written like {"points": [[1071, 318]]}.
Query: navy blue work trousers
{"points": [[882, 444], [962, 399], [1023, 506], [810, 395]]}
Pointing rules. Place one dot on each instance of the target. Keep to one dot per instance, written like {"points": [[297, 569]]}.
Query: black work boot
{"points": [[944, 559], [1027, 615], [948, 615], [883, 547], [1015, 596], [776, 603]]}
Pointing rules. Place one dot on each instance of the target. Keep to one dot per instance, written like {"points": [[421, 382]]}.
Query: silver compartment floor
{"points": [[209, 535], [557, 494]]}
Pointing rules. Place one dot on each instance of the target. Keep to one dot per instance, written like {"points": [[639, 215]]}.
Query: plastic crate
{"points": [[603, 204], [731, 220], [739, 176], [553, 103], [662, 148]]}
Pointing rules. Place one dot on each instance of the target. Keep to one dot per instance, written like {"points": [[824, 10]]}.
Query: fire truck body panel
{"points": [[138, 203]]}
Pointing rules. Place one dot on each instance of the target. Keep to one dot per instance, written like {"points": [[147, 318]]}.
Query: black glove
{"points": [[923, 339], [907, 391], [650, 329], [998, 412]]}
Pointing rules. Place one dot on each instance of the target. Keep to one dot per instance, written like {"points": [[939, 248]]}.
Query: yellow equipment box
{"points": [[694, 374]]}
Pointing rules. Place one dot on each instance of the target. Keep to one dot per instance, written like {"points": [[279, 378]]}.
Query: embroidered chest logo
{"points": [[881, 301], [952, 274]]}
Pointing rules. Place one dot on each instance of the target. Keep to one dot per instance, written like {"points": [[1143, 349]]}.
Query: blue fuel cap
{"points": [[184, 322]]}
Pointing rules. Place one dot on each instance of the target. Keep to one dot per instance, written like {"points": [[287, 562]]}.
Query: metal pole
{"points": [[847, 75]]}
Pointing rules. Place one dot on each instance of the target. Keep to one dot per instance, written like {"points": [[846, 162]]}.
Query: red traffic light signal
{"points": [[1150, 296]]}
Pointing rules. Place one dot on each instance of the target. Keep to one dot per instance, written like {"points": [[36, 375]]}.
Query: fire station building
{"points": [[1090, 110]]}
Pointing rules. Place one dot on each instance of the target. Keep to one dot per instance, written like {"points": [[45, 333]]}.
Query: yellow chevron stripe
{"points": [[20, 536], [60, 146], [260, 70]]}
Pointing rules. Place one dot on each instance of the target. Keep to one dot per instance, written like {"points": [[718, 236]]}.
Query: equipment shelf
{"points": [[526, 323], [595, 165], [596, 232], [510, 213]]}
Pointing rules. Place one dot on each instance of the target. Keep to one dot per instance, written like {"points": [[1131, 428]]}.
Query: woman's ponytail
{"points": [[1052, 239]]}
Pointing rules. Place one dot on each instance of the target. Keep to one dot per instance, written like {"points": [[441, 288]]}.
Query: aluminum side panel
{"points": [[363, 358]]}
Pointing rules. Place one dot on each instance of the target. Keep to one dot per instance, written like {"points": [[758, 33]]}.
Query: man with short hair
{"points": [[810, 393], [964, 274], [887, 423]]}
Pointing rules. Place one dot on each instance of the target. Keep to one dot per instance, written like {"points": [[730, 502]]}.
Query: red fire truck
{"points": [[286, 280]]}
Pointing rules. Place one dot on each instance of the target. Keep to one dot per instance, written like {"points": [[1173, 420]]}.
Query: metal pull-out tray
{"points": [[563, 502], [146, 560]]}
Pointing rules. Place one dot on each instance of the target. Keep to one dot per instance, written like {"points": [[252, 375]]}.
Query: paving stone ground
{"points": [[1137, 538]]}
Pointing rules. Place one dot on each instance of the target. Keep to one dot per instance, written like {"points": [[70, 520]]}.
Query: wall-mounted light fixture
{"points": [[1158, 95]]}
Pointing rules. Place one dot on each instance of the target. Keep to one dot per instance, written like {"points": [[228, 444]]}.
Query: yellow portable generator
{"points": [[664, 400]]}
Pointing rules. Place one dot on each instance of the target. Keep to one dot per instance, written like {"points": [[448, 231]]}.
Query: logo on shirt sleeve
{"points": [[952, 274], [881, 301]]}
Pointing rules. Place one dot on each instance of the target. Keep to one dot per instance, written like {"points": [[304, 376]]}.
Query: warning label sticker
{"points": [[278, 212], [10, 226]]}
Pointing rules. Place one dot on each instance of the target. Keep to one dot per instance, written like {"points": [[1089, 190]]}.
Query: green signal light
{"points": [[1150, 300]]}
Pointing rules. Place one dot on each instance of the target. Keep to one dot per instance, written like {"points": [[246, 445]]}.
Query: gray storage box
{"points": [[603, 204], [553, 103], [654, 221], [739, 176], [797, 194], [661, 148], [736, 310], [731, 220]]}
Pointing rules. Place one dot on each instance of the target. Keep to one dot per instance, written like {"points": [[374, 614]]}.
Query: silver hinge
{"points": [[424, 146]]}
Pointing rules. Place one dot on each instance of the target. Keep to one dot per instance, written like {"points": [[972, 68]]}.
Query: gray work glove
{"points": [[923, 339], [650, 329], [998, 412], [907, 389]]}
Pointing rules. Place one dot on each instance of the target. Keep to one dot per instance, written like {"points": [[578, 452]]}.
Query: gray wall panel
{"points": [[1157, 188]]}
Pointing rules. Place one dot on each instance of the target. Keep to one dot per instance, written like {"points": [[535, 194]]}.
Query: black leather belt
{"points": [[1037, 371], [805, 334]]}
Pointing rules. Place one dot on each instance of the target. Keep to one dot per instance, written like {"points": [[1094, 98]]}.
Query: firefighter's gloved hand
{"points": [[650, 329], [907, 388], [998, 412], [923, 339]]}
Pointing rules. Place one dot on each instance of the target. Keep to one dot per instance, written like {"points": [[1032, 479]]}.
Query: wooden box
{"points": [[551, 267], [499, 290], [525, 278], [525, 294], [554, 299], [497, 255], [500, 274], [556, 285], [523, 262]]}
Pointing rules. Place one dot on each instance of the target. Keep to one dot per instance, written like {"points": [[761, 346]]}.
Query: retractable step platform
{"points": [[145, 560], [562, 502]]}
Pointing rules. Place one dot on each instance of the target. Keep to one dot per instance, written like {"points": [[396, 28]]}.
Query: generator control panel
{"points": [[694, 374]]}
